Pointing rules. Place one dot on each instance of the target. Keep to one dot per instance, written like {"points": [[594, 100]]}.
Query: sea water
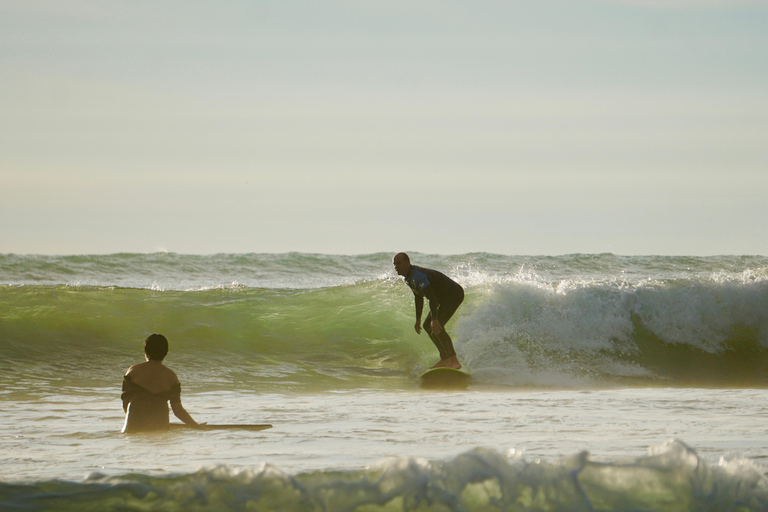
{"points": [[600, 382]]}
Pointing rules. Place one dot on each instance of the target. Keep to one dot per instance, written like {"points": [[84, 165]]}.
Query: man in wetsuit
{"points": [[444, 296], [147, 389]]}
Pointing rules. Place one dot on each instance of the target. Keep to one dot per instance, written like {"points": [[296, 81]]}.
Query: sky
{"points": [[531, 127]]}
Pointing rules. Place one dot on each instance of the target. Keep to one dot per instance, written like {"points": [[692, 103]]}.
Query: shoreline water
{"points": [[683, 440], [364, 426]]}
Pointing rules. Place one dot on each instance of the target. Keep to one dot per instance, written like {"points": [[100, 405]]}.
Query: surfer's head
{"points": [[402, 264], [156, 347]]}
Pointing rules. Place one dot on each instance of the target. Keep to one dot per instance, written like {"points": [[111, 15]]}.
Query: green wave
{"points": [[510, 332], [256, 336]]}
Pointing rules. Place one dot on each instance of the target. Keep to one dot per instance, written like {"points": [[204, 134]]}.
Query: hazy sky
{"points": [[515, 127]]}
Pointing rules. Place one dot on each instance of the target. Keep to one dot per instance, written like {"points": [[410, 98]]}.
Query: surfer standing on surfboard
{"points": [[147, 389], [444, 295]]}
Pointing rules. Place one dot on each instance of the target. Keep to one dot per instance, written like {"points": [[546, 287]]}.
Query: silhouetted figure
{"points": [[147, 389], [444, 295]]}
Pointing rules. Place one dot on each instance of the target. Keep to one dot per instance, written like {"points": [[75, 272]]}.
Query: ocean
{"points": [[599, 383]]}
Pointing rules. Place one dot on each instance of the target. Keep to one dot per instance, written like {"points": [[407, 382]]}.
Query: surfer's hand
{"points": [[436, 327], [418, 326]]}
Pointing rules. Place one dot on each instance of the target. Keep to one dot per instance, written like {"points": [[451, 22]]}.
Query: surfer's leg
{"points": [[449, 307], [444, 313], [447, 343], [448, 357], [444, 344], [445, 351]]}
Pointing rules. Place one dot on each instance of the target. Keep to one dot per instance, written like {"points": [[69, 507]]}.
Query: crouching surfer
{"points": [[444, 295], [147, 389]]}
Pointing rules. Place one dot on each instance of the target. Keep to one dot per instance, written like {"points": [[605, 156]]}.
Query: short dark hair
{"points": [[156, 347], [407, 259]]}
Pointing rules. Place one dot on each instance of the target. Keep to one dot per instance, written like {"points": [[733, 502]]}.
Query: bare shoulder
{"points": [[153, 375], [134, 368], [153, 368], [171, 375], [165, 374]]}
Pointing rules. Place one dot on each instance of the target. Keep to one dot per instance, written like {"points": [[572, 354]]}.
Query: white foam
{"points": [[527, 330]]}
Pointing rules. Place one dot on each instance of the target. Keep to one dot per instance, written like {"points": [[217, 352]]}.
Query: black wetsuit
{"points": [[444, 295]]}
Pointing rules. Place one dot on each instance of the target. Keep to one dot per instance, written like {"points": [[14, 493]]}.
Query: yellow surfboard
{"points": [[235, 426], [445, 378]]}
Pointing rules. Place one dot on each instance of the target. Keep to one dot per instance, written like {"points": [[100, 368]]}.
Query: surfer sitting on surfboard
{"points": [[147, 389], [444, 295]]}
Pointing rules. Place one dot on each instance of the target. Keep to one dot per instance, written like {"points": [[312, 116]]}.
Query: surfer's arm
{"points": [[433, 302], [419, 301], [435, 326], [177, 408], [182, 414], [128, 390]]}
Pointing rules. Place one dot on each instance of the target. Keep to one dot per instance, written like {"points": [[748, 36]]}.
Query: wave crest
{"points": [[481, 479]]}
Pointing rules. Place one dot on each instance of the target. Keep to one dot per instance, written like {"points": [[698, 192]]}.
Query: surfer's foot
{"points": [[451, 362]]}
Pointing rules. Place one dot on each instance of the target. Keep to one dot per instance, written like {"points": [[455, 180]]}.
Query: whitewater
{"points": [[599, 382]]}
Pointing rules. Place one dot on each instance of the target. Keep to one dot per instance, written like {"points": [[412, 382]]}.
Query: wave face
{"points": [[303, 321], [671, 477]]}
